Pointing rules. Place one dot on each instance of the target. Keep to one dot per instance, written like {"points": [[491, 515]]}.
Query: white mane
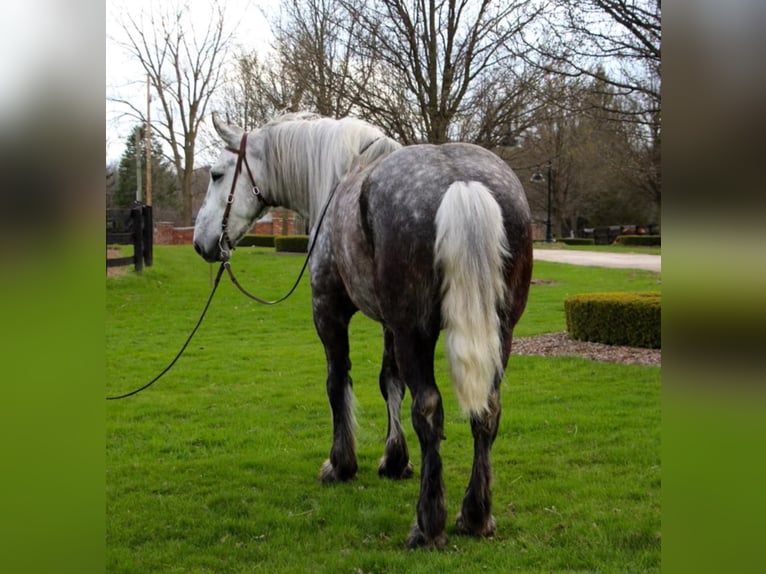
{"points": [[306, 155]]}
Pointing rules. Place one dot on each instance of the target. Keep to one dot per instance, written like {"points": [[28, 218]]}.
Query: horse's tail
{"points": [[470, 249]]}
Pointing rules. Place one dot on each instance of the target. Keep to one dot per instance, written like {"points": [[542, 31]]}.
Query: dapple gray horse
{"points": [[419, 238]]}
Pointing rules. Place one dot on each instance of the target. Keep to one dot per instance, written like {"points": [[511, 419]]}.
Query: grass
{"points": [[214, 469], [608, 248]]}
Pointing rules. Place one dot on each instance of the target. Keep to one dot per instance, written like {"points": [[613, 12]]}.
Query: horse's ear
{"points": [[230, 133]]}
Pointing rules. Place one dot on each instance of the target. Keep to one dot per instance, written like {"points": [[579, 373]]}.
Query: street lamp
{"points": [[538, 177]]}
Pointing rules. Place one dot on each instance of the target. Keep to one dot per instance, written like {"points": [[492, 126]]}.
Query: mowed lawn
{"points": [[214, 468]]}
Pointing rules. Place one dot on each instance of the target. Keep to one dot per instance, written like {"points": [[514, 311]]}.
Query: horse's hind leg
{"points": [[475, 517], [415, 357], [396, 458], [332, 325]]}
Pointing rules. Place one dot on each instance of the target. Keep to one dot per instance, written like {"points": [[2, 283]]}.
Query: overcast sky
{"points": [[126, 79]]}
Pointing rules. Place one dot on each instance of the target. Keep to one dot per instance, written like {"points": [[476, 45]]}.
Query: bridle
{"points": [[241, 159], [224, 238]]}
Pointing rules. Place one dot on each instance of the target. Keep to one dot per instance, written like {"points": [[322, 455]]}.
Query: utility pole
{"points": [[147, 209], [138, 166], [148, 143]]}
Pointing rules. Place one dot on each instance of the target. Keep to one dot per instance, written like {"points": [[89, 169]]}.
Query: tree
{"points": [[589, 154], [112, 179], [183, 64], [617, 46], [314, 40], [421, 71], [431, 57], [256, 90], [500, 108], [624, 36], [163, 178]]}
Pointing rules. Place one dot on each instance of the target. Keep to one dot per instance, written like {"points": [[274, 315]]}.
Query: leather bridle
{"points": [[241, 159]]}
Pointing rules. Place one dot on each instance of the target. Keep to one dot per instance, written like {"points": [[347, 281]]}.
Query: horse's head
{"points": [[233, 200]]}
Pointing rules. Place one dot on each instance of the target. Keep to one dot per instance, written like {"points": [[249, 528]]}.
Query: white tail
{"points": [[469, 250]]}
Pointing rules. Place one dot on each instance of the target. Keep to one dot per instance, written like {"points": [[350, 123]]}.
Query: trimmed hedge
{"points": [[645, 240], [292, 243], [631, 319], [577, 241], [257, 241]]}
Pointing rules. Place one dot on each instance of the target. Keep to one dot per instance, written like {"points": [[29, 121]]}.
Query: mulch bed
{"points": [[560, 345]]}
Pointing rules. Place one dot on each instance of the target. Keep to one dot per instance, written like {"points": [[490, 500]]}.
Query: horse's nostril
{"points": [[197, 248]]}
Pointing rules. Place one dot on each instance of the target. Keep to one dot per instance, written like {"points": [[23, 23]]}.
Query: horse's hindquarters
{"points": [[352, 251]]}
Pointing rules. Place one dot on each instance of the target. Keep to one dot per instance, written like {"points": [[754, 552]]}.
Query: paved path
{"points": [[601, 259]]}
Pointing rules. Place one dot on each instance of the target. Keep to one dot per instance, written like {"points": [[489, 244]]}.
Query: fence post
{"points": [[137, 221], [148, 232]]}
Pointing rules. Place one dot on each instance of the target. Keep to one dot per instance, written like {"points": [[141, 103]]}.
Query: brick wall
{"points": [[283, 222], [166, 234]]}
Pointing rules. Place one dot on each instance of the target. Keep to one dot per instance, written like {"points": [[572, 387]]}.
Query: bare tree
{"points": [[623, 37], [183, 63], [501, 106], [256, 90], [432, 56], [314, 40], [617, 46], [422, 71], [595, 178]]}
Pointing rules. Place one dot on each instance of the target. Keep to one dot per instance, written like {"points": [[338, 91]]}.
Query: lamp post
{"points": [[538, 177], [548, 234]]}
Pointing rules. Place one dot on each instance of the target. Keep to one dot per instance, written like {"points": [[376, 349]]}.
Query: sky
{"points": [[125, 79]]}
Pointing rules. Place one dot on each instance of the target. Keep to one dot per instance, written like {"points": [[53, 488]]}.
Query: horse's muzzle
{"points": [[213, 254]]}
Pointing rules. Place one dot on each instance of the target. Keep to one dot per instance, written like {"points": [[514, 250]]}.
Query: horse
{"points": [[420, 238]]}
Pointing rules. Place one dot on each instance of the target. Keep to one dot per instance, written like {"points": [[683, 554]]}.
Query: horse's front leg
{"points": [[331, 317], [396, 457]]}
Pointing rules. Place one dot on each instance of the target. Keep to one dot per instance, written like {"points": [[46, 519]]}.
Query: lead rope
{"points": [[225, 265], [188, 339]]}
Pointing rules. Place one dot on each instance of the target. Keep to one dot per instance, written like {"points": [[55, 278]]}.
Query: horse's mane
{"points": [[307, 155]]}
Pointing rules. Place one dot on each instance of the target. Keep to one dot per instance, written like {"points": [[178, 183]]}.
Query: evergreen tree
{"points": [[163, 179]]}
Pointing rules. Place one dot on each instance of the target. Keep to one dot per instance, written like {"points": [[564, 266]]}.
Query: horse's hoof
{"points": [[486, 530], [390, 471], [328, 474], [417, 539]]}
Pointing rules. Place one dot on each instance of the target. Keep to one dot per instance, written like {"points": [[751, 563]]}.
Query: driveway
{"points": [[601, 259]]}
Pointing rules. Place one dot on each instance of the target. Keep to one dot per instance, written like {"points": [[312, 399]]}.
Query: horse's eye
{"points": [[216, 175]]}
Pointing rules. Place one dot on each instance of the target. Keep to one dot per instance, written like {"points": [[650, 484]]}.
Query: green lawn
{"points": [[214, 469], [608, 248]]}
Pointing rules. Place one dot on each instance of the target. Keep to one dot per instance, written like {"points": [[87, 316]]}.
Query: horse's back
{"points": [[402, 193], [388, 229]]}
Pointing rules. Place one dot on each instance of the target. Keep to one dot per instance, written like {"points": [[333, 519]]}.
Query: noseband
{"points": [[241, 158]]}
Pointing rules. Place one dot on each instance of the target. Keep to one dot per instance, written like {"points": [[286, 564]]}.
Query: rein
{"points": [[225, 265]]}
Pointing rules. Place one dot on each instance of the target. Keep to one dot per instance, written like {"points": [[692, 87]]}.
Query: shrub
{"points": [[257, 241], [577, 241], [645, 240], [292, 243], [631, 319]]}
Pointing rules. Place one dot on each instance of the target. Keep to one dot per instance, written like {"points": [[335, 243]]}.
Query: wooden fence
{"points": [[132, 226]]}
